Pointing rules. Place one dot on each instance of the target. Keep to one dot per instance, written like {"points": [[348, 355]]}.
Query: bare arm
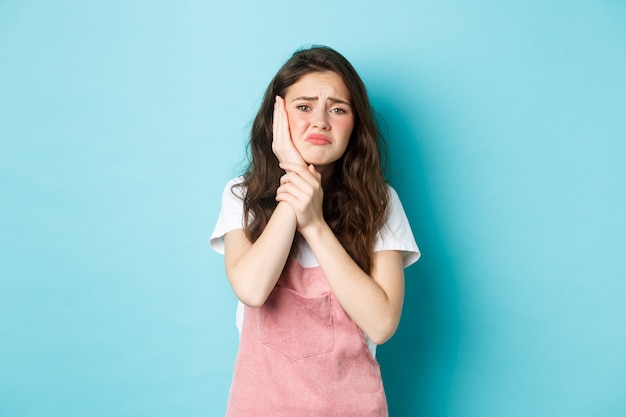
{"points": [[254, 268], [373, 301]]}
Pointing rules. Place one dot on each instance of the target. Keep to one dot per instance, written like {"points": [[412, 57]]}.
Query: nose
{"points": [[320, 119]]}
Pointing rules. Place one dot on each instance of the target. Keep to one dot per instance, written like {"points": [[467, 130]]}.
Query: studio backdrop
{"points": [[121, 121]]}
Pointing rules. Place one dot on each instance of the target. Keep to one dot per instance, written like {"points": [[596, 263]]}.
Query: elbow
{"points": [[383, 333], [249, 296], [380, 338], [251, 301], [247, 292]]}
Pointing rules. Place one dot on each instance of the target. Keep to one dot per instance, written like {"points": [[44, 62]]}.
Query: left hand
{"points": [[301, 188]]}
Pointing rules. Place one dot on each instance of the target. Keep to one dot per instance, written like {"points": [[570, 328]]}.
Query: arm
{"points": [[373, 301], [254, 268]]}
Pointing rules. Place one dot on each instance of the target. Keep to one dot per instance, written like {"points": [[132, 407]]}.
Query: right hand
{"points": [[301, 188], [282, 144]]}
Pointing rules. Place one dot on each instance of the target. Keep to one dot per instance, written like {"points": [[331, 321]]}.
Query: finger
{"points": [[296, 205], [281, 111], [308, 172], [300, 172], [294, 167], [315, 172], [278, 105], [307, 183], [284, 179], [289, 199], [300, 193], [303, 188], [278, 123], [280, 102], [276, 114], [282, 144]]}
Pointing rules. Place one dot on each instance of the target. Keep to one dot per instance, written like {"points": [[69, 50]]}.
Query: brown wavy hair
{"points": [[356, 197]]}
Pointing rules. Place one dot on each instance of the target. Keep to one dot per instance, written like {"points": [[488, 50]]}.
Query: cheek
{"points": [[346, 127], [296, 122]]}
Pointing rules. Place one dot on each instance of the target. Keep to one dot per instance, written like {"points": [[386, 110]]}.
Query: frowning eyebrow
{"points": [[332, 99]]}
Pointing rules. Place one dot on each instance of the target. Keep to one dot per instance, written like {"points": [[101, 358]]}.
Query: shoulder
{"points": [[231, 213], [234, 188], [235, 182], [396, 233], [393, 194], [394, 204]]}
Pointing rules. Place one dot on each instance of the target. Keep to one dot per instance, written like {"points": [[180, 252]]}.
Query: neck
{"points": [[327, 173]]}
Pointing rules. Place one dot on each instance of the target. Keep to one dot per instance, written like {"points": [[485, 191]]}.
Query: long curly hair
{"points": [[356, 197]]}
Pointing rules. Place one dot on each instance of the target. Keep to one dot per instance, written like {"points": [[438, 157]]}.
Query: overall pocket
{"points": [[295, 325]]}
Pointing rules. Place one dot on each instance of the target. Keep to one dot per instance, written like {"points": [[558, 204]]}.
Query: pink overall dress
{"points": [[301, 355]]}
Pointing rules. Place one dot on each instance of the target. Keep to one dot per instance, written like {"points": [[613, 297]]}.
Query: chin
{"points": [[319, 160]]}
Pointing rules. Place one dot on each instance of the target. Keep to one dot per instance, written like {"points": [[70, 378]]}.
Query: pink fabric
{"points": [[301, 355]]}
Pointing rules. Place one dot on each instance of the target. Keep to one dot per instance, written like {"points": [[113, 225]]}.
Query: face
{"points": [[320, 118]]}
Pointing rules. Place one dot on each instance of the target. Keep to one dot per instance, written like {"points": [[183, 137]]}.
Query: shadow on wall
{"points": [[418, 362]]}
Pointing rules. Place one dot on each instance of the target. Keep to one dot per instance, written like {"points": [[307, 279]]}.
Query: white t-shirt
{"points": [[394, 235]]}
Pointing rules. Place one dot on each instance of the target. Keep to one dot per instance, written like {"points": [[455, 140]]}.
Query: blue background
{"points": [[120, 122]]}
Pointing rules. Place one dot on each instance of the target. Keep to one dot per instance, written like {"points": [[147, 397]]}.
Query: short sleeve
{"points": [[231, 214], [396, 234]]}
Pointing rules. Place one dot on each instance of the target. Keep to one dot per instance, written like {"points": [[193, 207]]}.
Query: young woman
{"points": [[315, 243]]}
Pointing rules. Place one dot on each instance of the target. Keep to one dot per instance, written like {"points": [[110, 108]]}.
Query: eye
{"points": [[303, 107], [338, 110]]}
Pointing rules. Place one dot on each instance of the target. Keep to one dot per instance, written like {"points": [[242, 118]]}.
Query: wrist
{"points": [[285, 211], [315, 231]]}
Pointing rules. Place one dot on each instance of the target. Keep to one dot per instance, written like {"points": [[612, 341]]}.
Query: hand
{"points": [[301, 188], [282, 144]]}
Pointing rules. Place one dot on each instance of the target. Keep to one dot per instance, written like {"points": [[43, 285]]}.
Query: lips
{"points": [[318, 139]]}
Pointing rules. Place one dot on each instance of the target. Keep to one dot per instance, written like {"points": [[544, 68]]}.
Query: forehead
{"points": [[320, 84]]}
